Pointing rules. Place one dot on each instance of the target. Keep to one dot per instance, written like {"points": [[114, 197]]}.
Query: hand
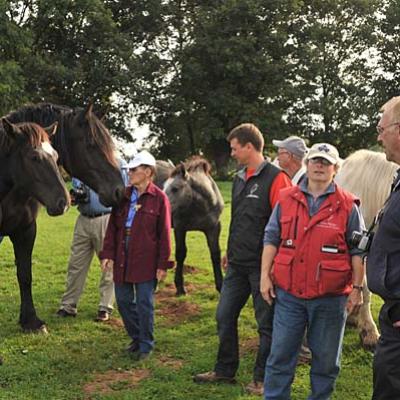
{"points": [[267, 290], [107, 264], [161, 274], [396, 324], [354, 301], [224, 262]]}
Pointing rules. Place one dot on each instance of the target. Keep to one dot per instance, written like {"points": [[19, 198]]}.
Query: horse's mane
{"points": [[193, 164], [367, 175], [34, 134], [47, 113]]}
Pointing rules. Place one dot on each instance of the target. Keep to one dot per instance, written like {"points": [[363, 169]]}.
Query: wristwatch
{"points": [[358, 287]]}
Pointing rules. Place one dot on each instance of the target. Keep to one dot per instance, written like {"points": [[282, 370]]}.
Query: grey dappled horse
{"points": [[196, 204]]}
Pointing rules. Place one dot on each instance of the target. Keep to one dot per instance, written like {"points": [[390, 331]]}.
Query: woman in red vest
{"points": [[313, 273]]}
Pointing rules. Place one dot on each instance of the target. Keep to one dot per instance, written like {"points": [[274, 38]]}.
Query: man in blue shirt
{"points": [[89, 231]]}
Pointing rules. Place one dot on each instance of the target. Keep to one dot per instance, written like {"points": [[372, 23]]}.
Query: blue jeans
{"points": [[136, 306], [238, 285], [325, 319]]}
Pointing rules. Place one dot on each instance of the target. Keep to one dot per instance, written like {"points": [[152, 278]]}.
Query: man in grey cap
{"points": [[291, 152]]}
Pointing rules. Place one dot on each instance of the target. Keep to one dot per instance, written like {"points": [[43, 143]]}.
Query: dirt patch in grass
{"points": [[112, 381], [115, 322], [169, 362], [249, 345], [173, 309], [190, 269]]}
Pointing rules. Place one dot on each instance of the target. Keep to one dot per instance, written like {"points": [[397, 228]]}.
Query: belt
{"points": [[127, 231], [95, 215]]}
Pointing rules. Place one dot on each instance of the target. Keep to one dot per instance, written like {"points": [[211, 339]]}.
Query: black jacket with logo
{"points": [[251, 210]]}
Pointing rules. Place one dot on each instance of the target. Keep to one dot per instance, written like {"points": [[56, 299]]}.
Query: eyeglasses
{"points": [[381, 129], [283, 152], [320, 160]]}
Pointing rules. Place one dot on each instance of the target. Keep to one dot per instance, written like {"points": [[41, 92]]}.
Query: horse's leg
{"points": [[180, 255], [369, 333], [23, 245], [215, 252]]}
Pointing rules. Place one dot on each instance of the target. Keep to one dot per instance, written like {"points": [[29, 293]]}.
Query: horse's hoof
{"points": [[180, 292], [368, 342]]}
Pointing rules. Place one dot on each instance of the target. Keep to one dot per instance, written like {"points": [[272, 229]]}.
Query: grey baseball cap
{"points": [[293, 144]]}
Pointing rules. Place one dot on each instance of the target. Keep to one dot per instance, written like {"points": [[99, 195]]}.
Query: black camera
{"points": [[79, 196], [362, 240]]}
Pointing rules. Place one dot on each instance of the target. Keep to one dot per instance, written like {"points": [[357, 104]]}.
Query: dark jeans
{"points": [[386, 367], [136, 306], [239, 284]]}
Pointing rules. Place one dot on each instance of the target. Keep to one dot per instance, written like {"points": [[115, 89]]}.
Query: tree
{"points": [[331, 73]]}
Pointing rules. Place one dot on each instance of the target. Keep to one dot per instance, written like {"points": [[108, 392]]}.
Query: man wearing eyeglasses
{"points": [[313, 273], [383, 266], [291, 153]]}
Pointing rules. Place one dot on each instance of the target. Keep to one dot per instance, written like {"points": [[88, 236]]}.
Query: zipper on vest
{"points": [[318, 272]]}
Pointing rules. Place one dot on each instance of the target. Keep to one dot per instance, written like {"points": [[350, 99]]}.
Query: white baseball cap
{"points": [[324, 150], [142, 158]]}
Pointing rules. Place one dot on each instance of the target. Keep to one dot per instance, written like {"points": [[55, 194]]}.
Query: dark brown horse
{"points": [[86, 152], [28, 176], [84, 145], [196, 204]]}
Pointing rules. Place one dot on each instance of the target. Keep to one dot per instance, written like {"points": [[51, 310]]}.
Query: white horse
{"points": [[367, 175]]}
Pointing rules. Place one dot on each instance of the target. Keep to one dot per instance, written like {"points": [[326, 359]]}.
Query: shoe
{"points": [[256, 388], [102, 316], [212, 377], [132, 347], [63, 314]]}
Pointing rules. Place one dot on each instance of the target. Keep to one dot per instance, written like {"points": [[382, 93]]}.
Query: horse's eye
{"points": [[174, 190]]}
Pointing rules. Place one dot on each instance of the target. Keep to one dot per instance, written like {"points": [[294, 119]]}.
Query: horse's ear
{"points": [[182, 170], [9, 128], [51, 129], [89, 110]]}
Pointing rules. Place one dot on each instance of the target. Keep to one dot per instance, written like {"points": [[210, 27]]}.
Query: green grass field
{"points": [[82, 359]]}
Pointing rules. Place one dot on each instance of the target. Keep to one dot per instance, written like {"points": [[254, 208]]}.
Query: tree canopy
{"points": [[192, 70]]}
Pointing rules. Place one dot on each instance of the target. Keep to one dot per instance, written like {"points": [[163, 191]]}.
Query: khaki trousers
{"points": [[88, 239]]}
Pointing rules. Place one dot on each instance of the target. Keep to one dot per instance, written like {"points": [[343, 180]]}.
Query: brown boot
{"points": [[212, 377], [256, 388]]}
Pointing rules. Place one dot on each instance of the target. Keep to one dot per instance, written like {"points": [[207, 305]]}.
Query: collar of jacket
{"points": [[151, 189], [242, 172]]}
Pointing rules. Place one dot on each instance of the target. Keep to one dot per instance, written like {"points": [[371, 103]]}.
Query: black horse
{"points": [[84, 145], [196, 204], [85, 151], [28, 176]]}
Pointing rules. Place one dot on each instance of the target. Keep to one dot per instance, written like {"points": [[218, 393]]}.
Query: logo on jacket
{"points": [[253, 189]]}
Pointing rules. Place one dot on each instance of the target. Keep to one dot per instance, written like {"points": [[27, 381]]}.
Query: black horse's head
{"points": [[32, 164], [90, 155]]}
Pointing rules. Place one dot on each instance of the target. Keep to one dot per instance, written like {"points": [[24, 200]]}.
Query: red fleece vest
{"points": [[313, 259]]}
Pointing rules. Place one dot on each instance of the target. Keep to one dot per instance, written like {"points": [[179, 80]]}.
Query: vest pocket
{"points": [[333, 276], [282, 271]]}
